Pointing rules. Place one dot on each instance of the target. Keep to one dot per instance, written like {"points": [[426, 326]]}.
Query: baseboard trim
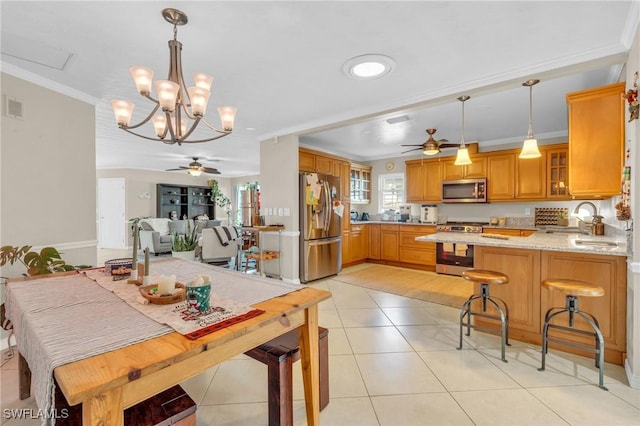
{"points": [[634, 379]]}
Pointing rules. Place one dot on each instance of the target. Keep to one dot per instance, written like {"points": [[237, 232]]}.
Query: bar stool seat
{"points": [[485, 278], [572, 290]]}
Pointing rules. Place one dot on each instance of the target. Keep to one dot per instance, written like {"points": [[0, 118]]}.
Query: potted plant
{"points": [[221, 200], [184, 246], [47, 261]]}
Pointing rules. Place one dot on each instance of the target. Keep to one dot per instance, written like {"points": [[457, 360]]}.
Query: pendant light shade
{"points": [[462, 157], [530, 145]]}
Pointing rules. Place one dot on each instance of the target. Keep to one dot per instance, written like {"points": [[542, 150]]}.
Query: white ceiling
{"points": [[280, 64]]}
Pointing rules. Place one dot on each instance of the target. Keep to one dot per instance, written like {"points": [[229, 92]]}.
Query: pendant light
{"points": [[462, 157], [530, 145]]}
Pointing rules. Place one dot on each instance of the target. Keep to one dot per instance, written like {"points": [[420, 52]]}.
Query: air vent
{"points": [[398, 119], [13, 108]]}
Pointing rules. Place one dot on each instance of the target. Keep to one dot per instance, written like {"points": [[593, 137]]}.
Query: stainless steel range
{"points": [[454, 258]]}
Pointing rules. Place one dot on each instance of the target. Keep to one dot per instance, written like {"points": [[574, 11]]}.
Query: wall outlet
{"points": [[527, 211]]}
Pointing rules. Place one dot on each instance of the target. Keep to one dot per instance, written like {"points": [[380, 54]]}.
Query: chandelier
{"points": [[178, 110]]}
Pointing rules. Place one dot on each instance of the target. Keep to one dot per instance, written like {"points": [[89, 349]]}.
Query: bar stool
{"points": [[484, 278], [572, 289]]}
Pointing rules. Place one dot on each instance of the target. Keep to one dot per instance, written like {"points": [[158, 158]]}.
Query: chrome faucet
{"points": [[595, 213]]}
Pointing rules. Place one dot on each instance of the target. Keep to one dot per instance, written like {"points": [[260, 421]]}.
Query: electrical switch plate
{"points": [[287, 211], [280, 211], [267, 211], [527, 212]]}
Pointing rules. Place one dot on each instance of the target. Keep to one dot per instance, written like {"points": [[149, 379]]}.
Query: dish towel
{"points": [[447, 247], [461, 249]]}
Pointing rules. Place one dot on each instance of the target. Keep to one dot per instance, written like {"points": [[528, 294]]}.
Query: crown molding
{"points": [[48, 84]]}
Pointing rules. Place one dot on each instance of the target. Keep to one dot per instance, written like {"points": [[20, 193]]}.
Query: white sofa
{"points": [[213, 250]]}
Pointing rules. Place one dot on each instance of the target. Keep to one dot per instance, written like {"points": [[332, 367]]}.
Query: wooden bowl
{"points": [[169, 299]]}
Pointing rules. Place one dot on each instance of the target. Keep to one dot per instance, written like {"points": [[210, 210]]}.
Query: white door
{"points": [[111, 205]]}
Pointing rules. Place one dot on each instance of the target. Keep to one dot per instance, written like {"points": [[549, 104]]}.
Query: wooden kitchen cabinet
{"points": [[359, 244], [346, 247], [424, 181], [531, 178], [414, 173], [501, 169], [417, 252], [522, 292], [558, 174], [608, 272], [306, 161], [389, 239], [374, 241], [596, 141], [477, 169], [360, 184]]}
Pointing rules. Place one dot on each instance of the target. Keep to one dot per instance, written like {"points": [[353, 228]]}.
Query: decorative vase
{"points": [[186, 255]]}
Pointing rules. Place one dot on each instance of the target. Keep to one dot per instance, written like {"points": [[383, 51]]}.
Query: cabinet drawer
{"points": [[390, 228], [421, 256], [408, 239]]}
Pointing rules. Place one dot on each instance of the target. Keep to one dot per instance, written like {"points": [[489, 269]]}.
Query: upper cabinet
{"points": [[424, 181], [360, 184], [558, 173], [477, 169], [596, 141], [501, 184], [531, 177]]}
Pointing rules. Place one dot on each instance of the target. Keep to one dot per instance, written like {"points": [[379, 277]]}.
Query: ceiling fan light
{"points": [[430, 151], [195, 172], [530, 149], [462, 157]]}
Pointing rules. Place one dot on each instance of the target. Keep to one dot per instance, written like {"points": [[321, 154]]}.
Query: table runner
{"points": [[232, 294]]}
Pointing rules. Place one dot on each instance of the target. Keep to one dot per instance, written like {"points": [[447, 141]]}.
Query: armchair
{"points": [[214, 249], [154, 234]]}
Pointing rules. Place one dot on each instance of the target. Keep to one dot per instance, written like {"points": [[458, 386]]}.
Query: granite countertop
{"points": [[538, 241]]}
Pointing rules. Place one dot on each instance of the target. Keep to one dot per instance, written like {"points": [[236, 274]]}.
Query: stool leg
{"points": [[466, 310], [545, 333], [599, 347], [280, 387], [506, 315], [503, 329]]}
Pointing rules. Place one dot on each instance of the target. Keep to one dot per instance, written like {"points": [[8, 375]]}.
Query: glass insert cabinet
{"points": [[360, 184]]}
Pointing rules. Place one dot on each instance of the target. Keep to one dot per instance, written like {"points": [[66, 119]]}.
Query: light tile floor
{"points": [[393, 361]]}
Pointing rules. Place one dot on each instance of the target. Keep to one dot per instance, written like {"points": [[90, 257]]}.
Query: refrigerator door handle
{"points": [[328, 207], [323, 242]]}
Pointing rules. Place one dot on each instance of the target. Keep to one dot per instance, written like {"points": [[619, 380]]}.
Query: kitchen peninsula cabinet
{"points": [[596, 141], [528, 301], [608, 272]]}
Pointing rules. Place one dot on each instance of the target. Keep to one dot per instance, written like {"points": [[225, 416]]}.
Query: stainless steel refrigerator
{"points": [[320, 227]]}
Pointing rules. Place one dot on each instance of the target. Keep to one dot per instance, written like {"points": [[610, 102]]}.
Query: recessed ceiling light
{"points": [[368, 67]]}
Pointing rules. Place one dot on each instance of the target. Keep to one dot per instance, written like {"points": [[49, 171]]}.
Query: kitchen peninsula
{"points": [[527, 261]]}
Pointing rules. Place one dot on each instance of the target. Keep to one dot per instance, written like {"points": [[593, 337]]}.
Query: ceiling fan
{"points": [[432, 146], [196, 169]]}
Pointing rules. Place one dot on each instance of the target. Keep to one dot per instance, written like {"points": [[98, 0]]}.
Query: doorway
{"points": [[111, 213]]}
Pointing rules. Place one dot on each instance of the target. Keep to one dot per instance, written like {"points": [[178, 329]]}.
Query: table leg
{"points": [[104, 409], [24, 377], [310, 360]]}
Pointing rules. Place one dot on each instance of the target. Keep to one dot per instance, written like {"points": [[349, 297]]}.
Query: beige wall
{"points": [[47, 169]]}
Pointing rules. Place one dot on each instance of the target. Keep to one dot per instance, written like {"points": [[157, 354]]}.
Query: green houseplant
{"points": [[185, 244], [47, 261]]}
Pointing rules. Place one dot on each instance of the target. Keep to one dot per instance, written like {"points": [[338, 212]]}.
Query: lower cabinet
{"points": [[528, 301], [359, 243], [522, 292], [608, 272], [374, 241], [417, 252], [389, 238]]}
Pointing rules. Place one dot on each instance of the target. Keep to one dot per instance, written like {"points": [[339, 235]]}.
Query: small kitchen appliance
{"points": [[429, 213], [365, 216]]}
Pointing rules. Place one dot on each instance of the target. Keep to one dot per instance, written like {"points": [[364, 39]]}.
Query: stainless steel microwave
{"points": [[464, 191]]}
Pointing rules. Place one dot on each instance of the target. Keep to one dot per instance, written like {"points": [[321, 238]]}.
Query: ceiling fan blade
{"points": [[210, 170], [442, 140], [449, 145], [420, 145], [414, 149], [171, 170], [184, 168]]}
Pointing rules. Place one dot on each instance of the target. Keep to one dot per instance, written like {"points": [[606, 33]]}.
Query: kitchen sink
{"points": [[565, 230], [597, 243]]}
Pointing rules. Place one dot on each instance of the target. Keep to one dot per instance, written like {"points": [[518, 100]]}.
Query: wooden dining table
{"points": [[108, 383]]}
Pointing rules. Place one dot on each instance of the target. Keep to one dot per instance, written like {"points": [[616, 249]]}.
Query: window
{"points": [[390, 191]]}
